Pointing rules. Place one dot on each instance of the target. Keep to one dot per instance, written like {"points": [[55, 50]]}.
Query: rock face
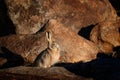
{"points": [[70, 13], [110, 32], [65, 18], [69, 16], [2, 61], [74, 47], [28, 46], [27, 15], [106, 35], [29, 73], [30, 16]]}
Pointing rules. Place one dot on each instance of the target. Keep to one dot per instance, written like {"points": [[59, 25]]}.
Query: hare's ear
{"points": [[49, 37]]}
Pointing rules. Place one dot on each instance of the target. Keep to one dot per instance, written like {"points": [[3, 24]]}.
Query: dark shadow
{"points": [[12, 58], [6, 25], [119, 30], [43, 27], [117, 49], [116, 52], [116, 5], [85, 32], [103, 68]]}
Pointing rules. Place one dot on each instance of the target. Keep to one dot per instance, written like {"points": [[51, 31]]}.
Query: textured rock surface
{"points": [[95, 37], [28, 46], [80, 13], [29, 16], [26, 15], [106, 35], [110, 32], [2, 61], [29, 73], [64, 18], [74, 47]]}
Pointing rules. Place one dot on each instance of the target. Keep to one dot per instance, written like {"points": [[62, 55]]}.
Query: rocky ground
{"points": [[82, 28]]}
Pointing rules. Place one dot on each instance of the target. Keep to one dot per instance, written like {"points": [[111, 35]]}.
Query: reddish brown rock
{"points": [[105, 47], [32, 73], [28, 46], [95, 37], [110, 32], [74, 47], [80, 13], [2, 61], [106, 35], [29, 16]]}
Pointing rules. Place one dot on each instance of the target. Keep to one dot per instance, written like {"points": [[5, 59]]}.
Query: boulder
{"points": [[106, 35], [31, 15], [27, 16], [110, 32], [35, 73], [27, 46], [2, 61], [74, 48]]}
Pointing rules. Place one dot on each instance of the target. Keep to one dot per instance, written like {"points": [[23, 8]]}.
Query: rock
{"points": [[104, 47], [33, 73], [106, 35], [27, 46], [2, 61], [31, 15], [27, 16], [80, 13], [74, 48], [110, 32]]}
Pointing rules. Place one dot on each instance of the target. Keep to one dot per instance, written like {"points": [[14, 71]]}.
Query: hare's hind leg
{"points": [[44, 60]]}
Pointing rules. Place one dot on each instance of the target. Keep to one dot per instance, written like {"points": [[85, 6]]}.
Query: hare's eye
{"points": [[54, 46]]}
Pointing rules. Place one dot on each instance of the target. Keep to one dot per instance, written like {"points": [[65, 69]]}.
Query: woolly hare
{"points": [[50, 56]]}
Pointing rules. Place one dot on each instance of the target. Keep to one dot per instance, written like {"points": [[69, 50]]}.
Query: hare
{"points": [[49, 56]]}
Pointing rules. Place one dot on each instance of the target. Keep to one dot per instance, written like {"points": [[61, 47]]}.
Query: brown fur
{"points": [[50, 56]]}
